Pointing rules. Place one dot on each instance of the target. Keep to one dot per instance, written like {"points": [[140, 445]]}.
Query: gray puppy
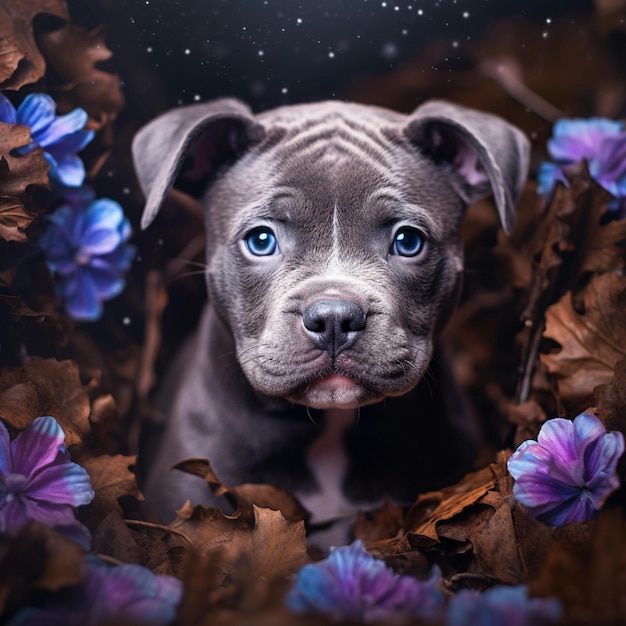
{"points": [[334, 258]]}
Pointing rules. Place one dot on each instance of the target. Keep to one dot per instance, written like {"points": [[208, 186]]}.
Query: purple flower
{"points": [[568, 473], [39, 481], [87, 250], [352, 584], [109, 593], [600, 141], [502, 605], [61, 137]]}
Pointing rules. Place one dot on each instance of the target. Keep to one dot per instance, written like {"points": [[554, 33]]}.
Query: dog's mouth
{"points": [[336, 389]]}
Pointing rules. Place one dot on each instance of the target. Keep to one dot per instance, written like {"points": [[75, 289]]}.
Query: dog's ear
{"points": [[481, 152], [188, 144]]}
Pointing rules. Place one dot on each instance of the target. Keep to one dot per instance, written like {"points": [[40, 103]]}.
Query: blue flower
{"points": [[128, 593], [352, 584], [568, 473], [61, 137], [39, 481], [86, 248], [502, 605], [600, 141]]}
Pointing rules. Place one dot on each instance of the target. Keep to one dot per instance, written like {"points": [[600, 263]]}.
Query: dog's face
{"points": [[333, 236]]}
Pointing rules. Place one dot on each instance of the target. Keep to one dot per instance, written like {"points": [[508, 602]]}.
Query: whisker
{"points": [[311, 419]]}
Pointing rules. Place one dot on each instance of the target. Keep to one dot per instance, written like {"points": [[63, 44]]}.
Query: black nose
{"points": [[333, 325]]}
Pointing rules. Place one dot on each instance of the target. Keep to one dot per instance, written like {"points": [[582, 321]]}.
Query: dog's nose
{"points": [[333, 325]]}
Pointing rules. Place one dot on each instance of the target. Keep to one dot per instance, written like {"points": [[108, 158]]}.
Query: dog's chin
{"points": [[336, 391]]}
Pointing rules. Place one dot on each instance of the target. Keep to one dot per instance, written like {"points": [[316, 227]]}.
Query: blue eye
{"points": [[407, 242], [261, 242]]}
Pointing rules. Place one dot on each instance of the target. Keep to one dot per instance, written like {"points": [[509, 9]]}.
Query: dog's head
{"points": [[333, 232]]}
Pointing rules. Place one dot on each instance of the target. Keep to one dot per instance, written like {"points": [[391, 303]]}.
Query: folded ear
{"points": [[187, 145], [481, 152]]}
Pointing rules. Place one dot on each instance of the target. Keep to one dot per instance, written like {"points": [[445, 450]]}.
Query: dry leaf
{"points": [[37, 557], [589, 575], [72, 53], [114, 538], [206, 529], [111, 479], [17, 174], [46, 387], [14, 219], [591, 342], [439, 506], [383, 523], [611, 405], [278, 545], [20, 60], [243, 497]]}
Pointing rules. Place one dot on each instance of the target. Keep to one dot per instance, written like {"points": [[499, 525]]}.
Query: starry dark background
{"points": [[272, 52], [268, 53]]}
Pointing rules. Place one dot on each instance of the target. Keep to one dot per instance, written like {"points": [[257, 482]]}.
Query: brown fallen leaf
{"points": [[383, 523], [46, 387], [37, 557], [111, 479], [14, 219], [132, 542], [206, 529], [610, 399], [17, 174], [591, 342], [278, 544], [244, 497], [20, 60], [432, 508], [73, 54], [588, 574], [271, 545]]}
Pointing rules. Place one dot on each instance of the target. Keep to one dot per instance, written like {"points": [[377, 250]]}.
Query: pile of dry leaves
{"points": [[543, 336]]}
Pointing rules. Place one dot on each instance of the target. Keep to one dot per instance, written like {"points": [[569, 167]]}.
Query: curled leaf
{"points": [[21, 62], [17, 174], [592, 342], [72, 53]]}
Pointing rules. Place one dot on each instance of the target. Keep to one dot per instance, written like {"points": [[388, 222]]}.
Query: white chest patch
{"points": [[327, 460]]}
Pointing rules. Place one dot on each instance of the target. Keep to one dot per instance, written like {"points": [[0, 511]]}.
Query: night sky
{"points": [[271, 52]]}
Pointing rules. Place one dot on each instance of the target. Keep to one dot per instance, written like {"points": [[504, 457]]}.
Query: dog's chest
{"points": [[328, 462]]}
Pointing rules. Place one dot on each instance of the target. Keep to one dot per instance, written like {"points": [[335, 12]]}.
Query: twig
{"points": [[156, 301], [161, 527], [109, 559], [507, 73]]}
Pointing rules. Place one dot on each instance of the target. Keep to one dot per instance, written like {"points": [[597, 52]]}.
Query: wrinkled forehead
{"points": [[333, 158]]}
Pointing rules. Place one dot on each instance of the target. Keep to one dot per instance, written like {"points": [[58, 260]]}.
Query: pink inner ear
{"points": [[467, 164]]}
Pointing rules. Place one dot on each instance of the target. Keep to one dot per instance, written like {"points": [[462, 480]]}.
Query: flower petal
{"points": [[37, 445], [62, 126], [70, 144], [5, 451], [63, 482], [587, 428], [37, 111], [8, 114], [502, 605], [547, 177], [109, 282], [559, 438], [573, 511], [83, 304], [577, 139], [69, 170], [13, 516]]}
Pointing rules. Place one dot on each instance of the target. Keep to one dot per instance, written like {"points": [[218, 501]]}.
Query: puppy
{"points": [[334, 259]]}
